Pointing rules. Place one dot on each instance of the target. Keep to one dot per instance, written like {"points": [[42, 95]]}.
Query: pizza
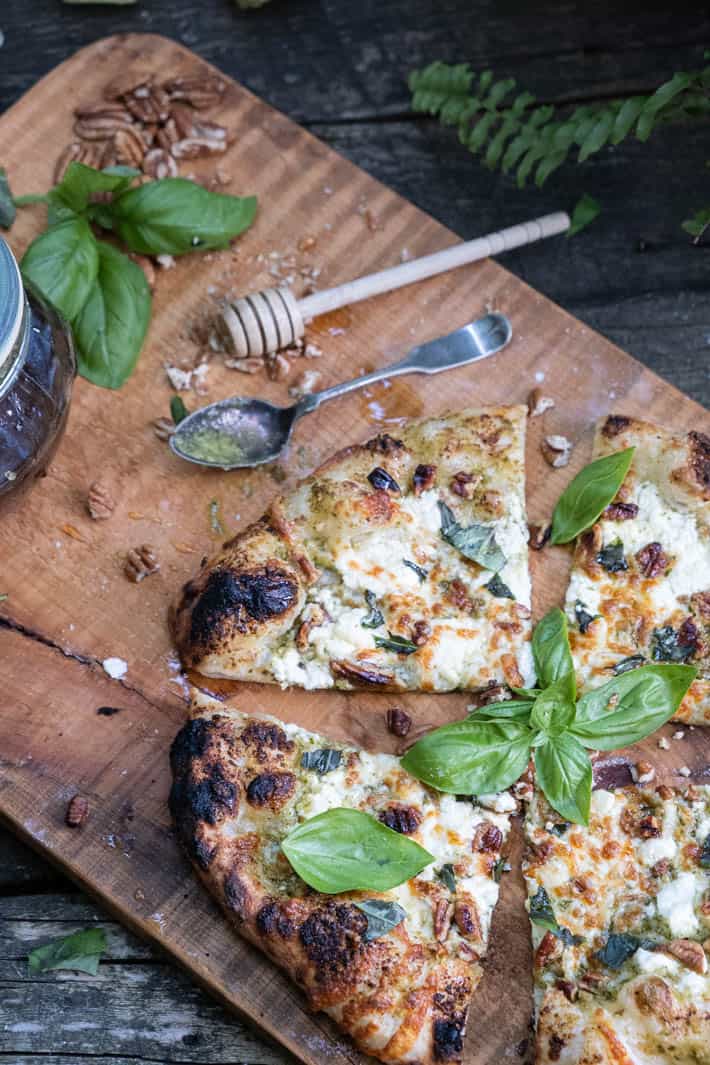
{"points": [[620, 917], [640, 585], [400, 564], [242, 782]]}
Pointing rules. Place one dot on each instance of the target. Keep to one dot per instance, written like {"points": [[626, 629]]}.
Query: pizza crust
{"points": [[239, 788]]}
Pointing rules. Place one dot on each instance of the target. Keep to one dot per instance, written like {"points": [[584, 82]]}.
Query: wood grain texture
{"points": [[70, 605]]}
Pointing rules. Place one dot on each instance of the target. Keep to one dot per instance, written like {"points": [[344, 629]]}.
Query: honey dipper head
{"points": [[261, 323]]}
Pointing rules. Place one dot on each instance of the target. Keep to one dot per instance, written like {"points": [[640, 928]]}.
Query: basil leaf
{"points": [[560, 828], [8, 211], [348, 850], [552, 711], [471, 757], [174, 216], [541, 913], [705, 853], [448, 877], [79, 952], [588, 494], [498, 588], [667, 646], [619, 947], [421, 573], [323, 760], [582, 616], [476, 542], [382, 917], [611, 557], [111, 327], [80, 183], [398, 644], [511, 709], [375, 618], [62, 263], [564, 772], [178, 410], [624, 665], [631, 706], [585, 211], [552, 655]]}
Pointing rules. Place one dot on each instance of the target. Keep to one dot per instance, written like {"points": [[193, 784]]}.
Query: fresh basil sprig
{"points": [[588, 494], [98, 289], [489, 750], [79, 952], [348, 850]]}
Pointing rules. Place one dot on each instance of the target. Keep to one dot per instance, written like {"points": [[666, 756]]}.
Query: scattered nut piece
{"points": [[251, 365], [398, 721], [678, 734], [689, 953], [140, 562], [307, 243], [664, 744], [538, 404], [646, 772], [305, 384], [539, 535], [159, 164], [99, 502], [277, 367], [556, 450], [77, 811], [312, 351], [684, 771]]}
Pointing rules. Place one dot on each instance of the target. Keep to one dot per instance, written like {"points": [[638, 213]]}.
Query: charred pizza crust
{"points": [[640, 584], [633, 988], [355, 554], [239, 787]]}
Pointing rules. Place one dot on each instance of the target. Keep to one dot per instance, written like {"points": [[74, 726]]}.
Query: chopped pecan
{"points": [[200, 90], [655, 996], [689, 636], [456, 593], [556, 450], [384, 444], [401, 818], [618, 511], [316, 617], [129, 147], [689, 953], [464, 484], [700, 603], [277, 366], [361, 675], [467, 920], [487, 837], [140, 563], [159, 164], [549, 949], [665, 792], [77, 811], [538, 404], [649, 827], [660, 868], [421, 631], [539, 535], [610, 849], [652, 560], [443, 912], [568, 989], [424, 477], [99, 502], [398, 721], [493, 693], [512, 674]]}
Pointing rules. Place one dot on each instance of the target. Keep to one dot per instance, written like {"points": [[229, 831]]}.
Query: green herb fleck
{"points": [[667, 646], [79, 952], [398, 644], [611, 557], [322, 760], [421, 573], [619, 947], [498, 588], [447, 876], [178, 410], [375, 618], [582, 616]]}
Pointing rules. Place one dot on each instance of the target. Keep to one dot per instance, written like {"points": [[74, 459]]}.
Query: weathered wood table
{"points": [[340, 70]]}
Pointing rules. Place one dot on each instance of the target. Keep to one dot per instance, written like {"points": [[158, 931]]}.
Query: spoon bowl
{"points": [[238, 432]]}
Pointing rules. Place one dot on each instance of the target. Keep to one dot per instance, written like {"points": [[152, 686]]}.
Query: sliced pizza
{"points": [[620, 916], [395, 969], [401, 564], [640, 586]]}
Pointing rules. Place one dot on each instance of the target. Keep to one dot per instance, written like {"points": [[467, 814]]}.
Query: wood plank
{"points": [[70, 605]]}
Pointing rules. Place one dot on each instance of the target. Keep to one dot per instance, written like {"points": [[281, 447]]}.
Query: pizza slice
{"points": [[620, 916], [400, 564], [640, 584], [394, 969]]}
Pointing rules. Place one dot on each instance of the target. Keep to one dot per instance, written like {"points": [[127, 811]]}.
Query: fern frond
{"points": [[512, 134]]}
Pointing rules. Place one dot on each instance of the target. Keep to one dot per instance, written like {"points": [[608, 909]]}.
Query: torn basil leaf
{"points": [[322, 760], [398, 644], [382, 917], [625, 665], [476, 541], [499, 588], [375, 618], [541, 913], [667, 646], [421, 573], [619, 947], [611, 557], [80, 952], [582, 616], [447, 876]]}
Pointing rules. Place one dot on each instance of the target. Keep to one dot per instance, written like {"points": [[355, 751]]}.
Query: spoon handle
{"points": [[474, 341]]}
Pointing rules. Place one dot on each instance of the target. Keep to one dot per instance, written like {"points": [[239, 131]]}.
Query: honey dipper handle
{"points": [[429, 265]]}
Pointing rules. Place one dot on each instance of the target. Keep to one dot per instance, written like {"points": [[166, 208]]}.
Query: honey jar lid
{"points": [[12, 305]]}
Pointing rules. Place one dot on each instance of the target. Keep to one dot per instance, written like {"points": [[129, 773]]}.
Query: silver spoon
{"points": [[240, 431]]}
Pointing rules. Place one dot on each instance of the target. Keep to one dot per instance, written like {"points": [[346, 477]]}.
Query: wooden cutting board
{"points": [[70, 606]]}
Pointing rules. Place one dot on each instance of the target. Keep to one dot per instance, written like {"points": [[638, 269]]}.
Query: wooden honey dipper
{"points": [[273, 318]]}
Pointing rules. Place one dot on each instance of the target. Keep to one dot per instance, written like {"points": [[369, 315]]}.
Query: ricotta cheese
{"points": [[675, 903]]}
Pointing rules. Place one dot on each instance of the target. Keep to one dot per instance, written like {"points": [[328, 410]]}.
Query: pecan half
{"points": [[487, 837], [549, 948], [401, 818], [101, 125], [618, 511], [361, 675], [689, 953], [539, 535], [200, 90], [652, 560], [140, 563], [316, 617], [556, 450], [467, 920], [398, 721], [423, 479], [464, 484], [129, 147], [443, 912], [159, 164], [538, 404], [99, 502], [421, 631]]}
